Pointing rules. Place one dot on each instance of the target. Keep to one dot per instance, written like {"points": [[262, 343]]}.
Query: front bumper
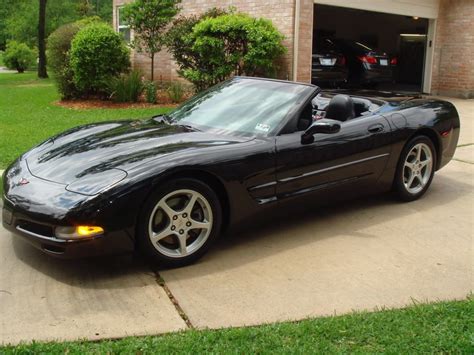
{"points": [[41, 235]]}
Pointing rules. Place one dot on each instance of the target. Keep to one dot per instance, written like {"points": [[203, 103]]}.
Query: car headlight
{"points": [[92, 184], [78, 232]]}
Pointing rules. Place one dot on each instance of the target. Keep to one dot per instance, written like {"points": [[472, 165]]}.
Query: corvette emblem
{"points": [[23, 181]]}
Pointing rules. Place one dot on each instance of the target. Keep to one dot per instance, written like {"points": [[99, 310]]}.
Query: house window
{"points": [[122, 26]]}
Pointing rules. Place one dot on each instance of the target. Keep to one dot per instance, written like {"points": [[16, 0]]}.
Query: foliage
{"points": [[19, 18], [176, 92], [439, 328], [222, 45], [127, 87], [150, 92], [97, 55], [148, 19], [18, 56], [34, 101], [58, 55], [179, 41]]}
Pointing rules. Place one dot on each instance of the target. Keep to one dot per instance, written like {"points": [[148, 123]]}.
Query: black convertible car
{"points": [[169, 185]]}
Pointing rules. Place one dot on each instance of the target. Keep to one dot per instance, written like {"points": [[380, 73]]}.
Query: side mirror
{"points": [[324, 126]]}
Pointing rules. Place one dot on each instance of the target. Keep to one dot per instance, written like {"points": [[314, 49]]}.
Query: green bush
{"points": [[18, 56], [180, 41], [97, 55], [58, 54], [150, 92], [127, 87], [222, 45], [176, 92]]}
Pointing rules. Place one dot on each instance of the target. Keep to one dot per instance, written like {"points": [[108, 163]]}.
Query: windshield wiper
{"points": [[162, 119], [187, 126]]}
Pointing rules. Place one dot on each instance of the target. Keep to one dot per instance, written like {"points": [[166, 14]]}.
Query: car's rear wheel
{"points": [[179, 222], [415, 169]]}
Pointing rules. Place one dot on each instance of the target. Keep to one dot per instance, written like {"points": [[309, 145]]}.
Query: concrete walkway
{"points": [[364, 254]]}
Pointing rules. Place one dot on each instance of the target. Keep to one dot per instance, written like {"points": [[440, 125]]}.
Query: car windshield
{"points": [[241, 106]]}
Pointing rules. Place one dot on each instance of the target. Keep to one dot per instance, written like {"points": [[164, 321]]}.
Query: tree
{"points": [[19, 18], [42, 73], [148, 20]]}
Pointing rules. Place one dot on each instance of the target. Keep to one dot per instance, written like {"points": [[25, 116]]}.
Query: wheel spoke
{"points": [[410, 180], [200, 225], [418, 153], [183, 250], [167, 209], [409, 165], [425, 162], [156, 237], [190, 205]]}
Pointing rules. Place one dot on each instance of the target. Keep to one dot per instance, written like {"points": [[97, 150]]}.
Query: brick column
{"points": [[304, 42], [453, 62]]}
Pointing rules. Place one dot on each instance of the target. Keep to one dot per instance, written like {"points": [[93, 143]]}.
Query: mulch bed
{"points": [[97, 104]]}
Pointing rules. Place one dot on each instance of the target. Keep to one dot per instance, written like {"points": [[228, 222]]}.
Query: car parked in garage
{"points": [[329, 64], [367, 66]]}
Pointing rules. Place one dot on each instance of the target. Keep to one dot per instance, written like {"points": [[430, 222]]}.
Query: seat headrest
{"points": [[341, 108]]}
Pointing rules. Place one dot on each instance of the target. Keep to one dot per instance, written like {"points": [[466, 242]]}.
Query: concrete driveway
{"points": [[364, 254]]}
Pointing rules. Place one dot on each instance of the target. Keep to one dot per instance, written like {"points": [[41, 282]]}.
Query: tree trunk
{"points": [[152, 66], [42, 73]]}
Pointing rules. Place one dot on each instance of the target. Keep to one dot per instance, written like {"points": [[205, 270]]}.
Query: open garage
{"points": [[372, 49]]}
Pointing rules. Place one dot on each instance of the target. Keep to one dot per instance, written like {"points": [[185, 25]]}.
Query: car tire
{"points": [[415, 169], [174, 233]]}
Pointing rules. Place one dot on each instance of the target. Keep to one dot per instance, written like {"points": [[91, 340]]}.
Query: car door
{"points": [[356, 154]]}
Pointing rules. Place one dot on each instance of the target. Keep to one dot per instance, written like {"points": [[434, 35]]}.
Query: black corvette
{"points": [[169, 185]]}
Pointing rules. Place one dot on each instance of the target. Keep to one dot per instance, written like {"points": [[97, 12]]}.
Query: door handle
{"points": [[376, 128]]}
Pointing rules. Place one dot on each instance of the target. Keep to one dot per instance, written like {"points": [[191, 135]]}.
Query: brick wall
{"points": [[281, 12], [453, 62]]}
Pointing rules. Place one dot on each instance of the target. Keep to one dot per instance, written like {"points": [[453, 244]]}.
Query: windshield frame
{"points": [[309, 90]]}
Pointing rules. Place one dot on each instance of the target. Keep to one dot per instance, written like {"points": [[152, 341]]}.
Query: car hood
{"points": [[112, 149]]}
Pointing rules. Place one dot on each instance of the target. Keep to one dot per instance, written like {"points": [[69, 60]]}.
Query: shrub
{"points": [[220, 46], [175, 92], [150, 92], [127, 87], [179, 41], [18, 56], [58, 54], [97, 55]]}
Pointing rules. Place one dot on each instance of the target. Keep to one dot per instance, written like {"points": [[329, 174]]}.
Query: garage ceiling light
{"points": [[412, 35]]}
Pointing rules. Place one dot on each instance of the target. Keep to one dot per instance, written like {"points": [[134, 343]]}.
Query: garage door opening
{"points": [[364, 49]]}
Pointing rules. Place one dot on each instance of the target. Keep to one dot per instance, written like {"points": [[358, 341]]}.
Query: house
{"points": [[432, 39]]}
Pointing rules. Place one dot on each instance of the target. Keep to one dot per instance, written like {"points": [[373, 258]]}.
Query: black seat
{"points": [[341, 108]]}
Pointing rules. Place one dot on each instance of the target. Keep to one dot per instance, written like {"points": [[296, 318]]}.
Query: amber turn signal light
{"points": [[78, 232]]}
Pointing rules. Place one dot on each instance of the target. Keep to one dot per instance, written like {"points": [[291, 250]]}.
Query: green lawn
{"points": [[28, 114], [446, 327]]}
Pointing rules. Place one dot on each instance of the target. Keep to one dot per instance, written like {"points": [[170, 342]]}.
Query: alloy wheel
{"points": [[180, 223], [417, 168]]}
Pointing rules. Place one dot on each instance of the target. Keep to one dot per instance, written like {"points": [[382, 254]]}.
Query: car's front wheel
{"points": [[416, 168], [179, 222]]}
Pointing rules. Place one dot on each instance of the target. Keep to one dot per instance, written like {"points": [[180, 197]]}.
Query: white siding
{"points": [[420, 8]]}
